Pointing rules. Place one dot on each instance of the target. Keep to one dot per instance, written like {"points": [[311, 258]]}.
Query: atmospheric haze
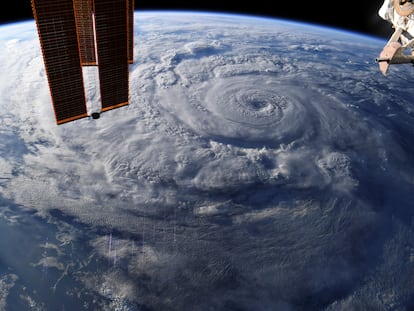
{"points": [[261, 165]]}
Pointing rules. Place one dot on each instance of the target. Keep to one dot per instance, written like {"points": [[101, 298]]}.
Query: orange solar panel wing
{"points": [[85, 30], [111, 39], [130, 31], [58, 39]]}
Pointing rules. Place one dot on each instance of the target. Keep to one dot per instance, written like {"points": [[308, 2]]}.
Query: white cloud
{"points": [[240, 165]]}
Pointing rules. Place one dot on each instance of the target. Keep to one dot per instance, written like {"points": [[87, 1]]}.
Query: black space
{"points": [[360, 16]]}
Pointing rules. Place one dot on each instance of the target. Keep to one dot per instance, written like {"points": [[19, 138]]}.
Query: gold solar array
{"points": [[85, 30], [131, 31], [111, 42], [76, 33], [57, 33]]}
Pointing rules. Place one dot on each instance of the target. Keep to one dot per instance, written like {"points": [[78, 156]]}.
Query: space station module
{"points": [[400, 14]]}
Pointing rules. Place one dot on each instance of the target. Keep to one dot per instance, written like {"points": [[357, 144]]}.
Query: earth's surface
{"points": [[261, 165]]}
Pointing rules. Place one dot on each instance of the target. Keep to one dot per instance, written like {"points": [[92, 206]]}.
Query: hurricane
{"points": [[260, 165]]}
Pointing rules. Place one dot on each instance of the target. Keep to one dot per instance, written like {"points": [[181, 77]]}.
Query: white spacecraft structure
{"points": [[400, 47]]}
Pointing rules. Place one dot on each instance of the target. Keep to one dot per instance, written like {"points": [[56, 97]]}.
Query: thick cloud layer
{"points": [[260, 165]]}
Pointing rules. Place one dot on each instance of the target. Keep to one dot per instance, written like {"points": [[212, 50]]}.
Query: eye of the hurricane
{"points": [[257, 104], [255, 107], [260, 105]]}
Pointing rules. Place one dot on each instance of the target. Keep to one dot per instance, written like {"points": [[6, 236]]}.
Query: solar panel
{"points": [[130, 31], [111, 39], [73, 33], [85, 31], [58, 39]]}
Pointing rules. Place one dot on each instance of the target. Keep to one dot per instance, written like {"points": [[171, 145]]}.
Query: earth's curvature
{"points": [[260, 165]]}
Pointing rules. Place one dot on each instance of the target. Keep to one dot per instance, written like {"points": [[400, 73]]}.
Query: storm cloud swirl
{"points": [[254, 169]]}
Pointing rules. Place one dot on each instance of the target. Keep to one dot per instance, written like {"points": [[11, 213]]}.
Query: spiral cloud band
{"points": [[260, 109], [260, 165]]}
